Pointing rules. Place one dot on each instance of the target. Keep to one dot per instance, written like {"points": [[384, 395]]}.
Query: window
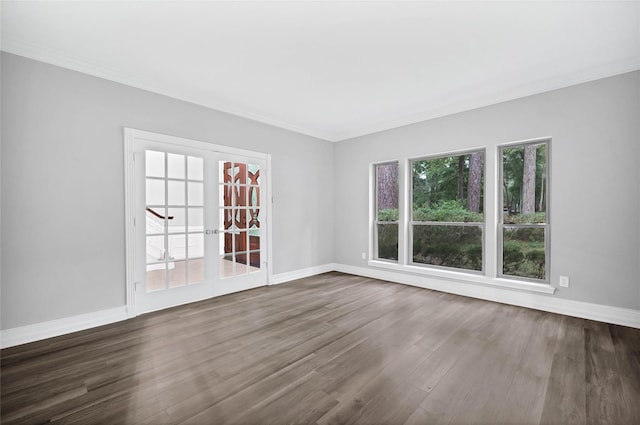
{"points": [[437, 226], [386, 219], [447, 222], [523, 225]]}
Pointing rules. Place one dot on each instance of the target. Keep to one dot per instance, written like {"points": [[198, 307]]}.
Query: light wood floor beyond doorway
{"points": [[330, 349]]}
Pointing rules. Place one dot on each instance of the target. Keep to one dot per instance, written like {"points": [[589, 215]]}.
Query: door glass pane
{"points": [[196, 219], [195, 193], [196, 245], [196, 270], [227, 266], [176, 193], [177, 247], [254, 196], [254, 240], [154, 164], [155, 249], [241, 242], [175, 166], [177, 274], [156, 277], [255, 261], [154, 221], [195, 168], [176, 220], [253, 174], [155, 192], [240, 218]]}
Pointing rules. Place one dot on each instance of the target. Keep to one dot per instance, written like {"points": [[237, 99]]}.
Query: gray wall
{"points": [[63, 186], [595, 178]]}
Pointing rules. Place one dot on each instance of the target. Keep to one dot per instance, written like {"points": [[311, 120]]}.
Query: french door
{"points": [[199, 227]]}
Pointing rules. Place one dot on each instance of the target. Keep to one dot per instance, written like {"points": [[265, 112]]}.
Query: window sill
{"points": [[466, 277]]}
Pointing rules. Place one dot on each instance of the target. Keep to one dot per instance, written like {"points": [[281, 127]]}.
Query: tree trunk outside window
{"points": [[475, 181], [529, 180]]}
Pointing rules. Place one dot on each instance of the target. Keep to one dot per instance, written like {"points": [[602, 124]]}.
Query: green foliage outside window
{"points": [[449, 190]]}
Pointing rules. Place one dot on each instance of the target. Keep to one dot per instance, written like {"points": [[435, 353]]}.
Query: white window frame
{"points": [[443, 277], [413, 222], [500, 214], [373, 215]]}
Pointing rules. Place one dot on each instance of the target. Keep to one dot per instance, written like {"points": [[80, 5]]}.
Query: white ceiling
{"points": [[333, 70]]}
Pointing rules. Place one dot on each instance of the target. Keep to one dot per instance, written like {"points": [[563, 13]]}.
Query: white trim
{"points": [[475, 98], [46, 55], [469, 277], [302, 273], [599, 312], [191, 143], [129, 217], [470, 101], [269, 223], [38, 331], [131, 136]]}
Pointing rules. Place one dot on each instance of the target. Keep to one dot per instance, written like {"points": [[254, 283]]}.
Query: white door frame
{"points": [[130, 136]]}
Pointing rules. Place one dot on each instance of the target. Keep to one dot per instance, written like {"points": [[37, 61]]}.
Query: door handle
{"points": [[211, 231]]}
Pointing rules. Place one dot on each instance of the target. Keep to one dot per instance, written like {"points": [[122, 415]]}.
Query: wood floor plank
{"points": [[329, 349]]}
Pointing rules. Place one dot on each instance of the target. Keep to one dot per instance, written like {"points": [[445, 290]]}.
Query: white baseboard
{"points": [[43, 330], [299, 274], [602, 313], [599, 312]]}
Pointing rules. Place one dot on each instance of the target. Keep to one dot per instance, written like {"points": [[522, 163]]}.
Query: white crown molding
{"points": [[463, 103], [53, 57], [480, 100]]}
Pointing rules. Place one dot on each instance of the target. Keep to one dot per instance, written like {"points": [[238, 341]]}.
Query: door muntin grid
{"points": [[239, 218], [174, 228]]}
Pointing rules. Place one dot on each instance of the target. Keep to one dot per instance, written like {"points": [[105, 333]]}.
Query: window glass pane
{"points": [[524, 197], [449, 188], [176, 166], [523, 252], [387, 241], [387, 191], [448, 246], [154, 164]]}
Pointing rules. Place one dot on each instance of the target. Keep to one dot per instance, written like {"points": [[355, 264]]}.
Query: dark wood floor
{"points": [[331, 349]]}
